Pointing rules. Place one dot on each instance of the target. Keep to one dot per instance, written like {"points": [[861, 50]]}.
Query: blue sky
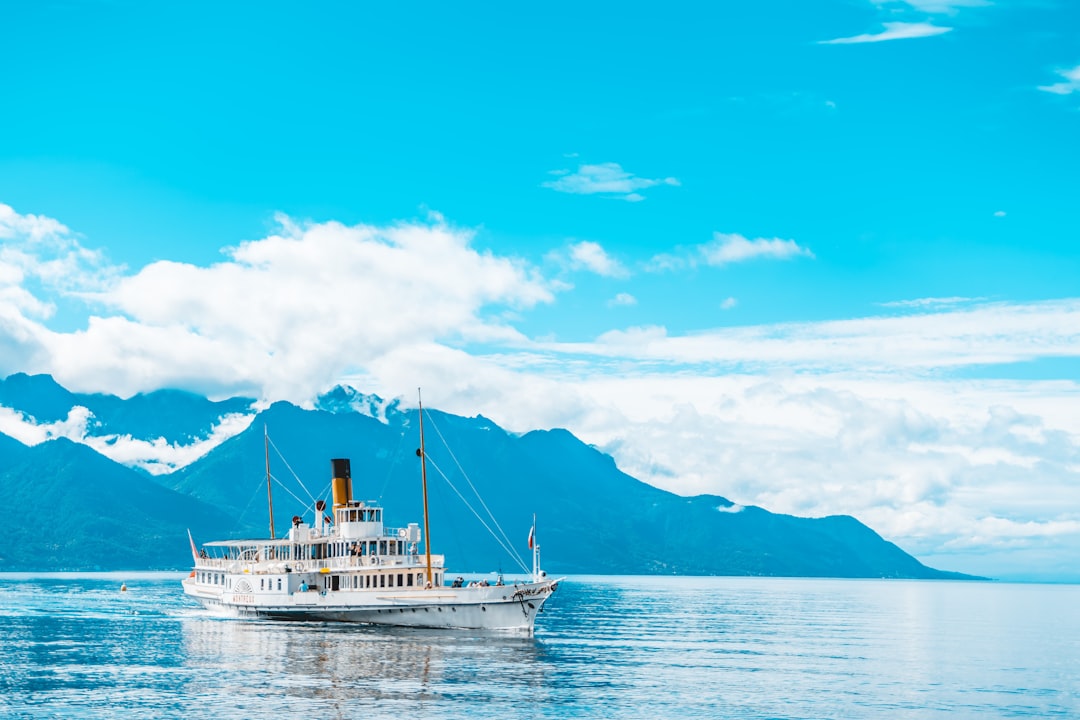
{"points": [[818, 256]]}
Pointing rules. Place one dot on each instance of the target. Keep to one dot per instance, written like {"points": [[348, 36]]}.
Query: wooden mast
{"points": [[269, 494], [423, 482]]}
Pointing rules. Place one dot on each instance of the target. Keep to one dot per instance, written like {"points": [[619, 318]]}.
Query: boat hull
{"points": [[510, 608]]}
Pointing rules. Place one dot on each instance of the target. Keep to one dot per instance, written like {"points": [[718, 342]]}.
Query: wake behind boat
{"points": [[349, 567]]}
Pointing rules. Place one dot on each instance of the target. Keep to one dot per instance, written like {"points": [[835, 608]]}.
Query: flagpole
{"points": [[536, 551]]}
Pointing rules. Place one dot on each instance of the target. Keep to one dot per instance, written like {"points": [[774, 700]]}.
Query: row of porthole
{"points": [[453, 609]]}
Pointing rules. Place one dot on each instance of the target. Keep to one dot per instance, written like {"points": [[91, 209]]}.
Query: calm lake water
{"points": [[609, 647]]}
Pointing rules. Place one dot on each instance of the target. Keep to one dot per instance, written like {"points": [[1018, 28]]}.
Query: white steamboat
{"points": [[349, 567]]}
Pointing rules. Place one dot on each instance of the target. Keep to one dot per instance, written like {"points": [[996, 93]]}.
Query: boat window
{"points": [[419, 579], [408, 579], [399, 580], [382, 547], [279, 583], [390, 582], [382, 581], [367, 581], [262, 583]]}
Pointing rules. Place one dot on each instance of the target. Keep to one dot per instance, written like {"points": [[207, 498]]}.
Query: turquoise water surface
{"points": [[73, 645]]}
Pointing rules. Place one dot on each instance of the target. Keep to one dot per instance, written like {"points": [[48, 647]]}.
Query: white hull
{"points": [[498, 607]]}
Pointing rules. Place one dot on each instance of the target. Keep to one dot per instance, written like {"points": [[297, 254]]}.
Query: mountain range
{"points": [[77, 509]]}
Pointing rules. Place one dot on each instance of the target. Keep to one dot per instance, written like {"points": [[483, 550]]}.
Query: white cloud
{"points": [[946, 7], [731, 248], [892, 31], [608, 179], [1069, 86], [930, 302], [927, 342], [283, 315], [622, 299], [591, 256], [156, 456], [999, 213], [33, 228], [160, 456], [727, 248], [728, 303]]}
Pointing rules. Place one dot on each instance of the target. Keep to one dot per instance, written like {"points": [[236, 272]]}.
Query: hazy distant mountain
{"points": [[592, 518]]}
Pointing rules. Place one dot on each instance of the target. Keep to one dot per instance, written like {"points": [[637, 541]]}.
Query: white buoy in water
{"points": [[123, 587]]}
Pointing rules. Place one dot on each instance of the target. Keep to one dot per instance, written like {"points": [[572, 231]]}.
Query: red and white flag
{"points": [[532, 536], [194, 552]]}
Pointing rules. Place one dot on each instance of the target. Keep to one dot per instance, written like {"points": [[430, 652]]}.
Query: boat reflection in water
{"points": [[267, 666]]}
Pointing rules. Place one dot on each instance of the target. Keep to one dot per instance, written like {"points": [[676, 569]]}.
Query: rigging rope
{"points": [[298, 480], [250, 499], [295, 496], [507, 548], [395, 457], [505, 538]]}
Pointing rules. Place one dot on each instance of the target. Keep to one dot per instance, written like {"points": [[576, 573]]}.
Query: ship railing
{"points": [[352, 562], [357, 562], [215, 563]]}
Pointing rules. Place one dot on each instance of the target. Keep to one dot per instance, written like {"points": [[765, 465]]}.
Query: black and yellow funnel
{"points": [[342, 482]]}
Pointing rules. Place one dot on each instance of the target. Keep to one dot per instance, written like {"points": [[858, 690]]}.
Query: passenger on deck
{"points": [[303, 587]]}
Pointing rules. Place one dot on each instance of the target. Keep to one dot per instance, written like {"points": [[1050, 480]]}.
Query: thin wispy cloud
{"points": [[43, 250], [892, 31], [930, 302], [591, 256], [622, 300], [1070, 84], [729, 248], [941, 7], [605, 179], [725, 249], [922, 342], [29, 227]]}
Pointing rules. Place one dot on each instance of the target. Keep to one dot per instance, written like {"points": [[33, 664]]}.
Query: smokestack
{"points": [[342, 482]]}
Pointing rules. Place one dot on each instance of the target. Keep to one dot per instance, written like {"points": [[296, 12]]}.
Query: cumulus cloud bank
{"points": [[282, 315], [868, 416]]}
